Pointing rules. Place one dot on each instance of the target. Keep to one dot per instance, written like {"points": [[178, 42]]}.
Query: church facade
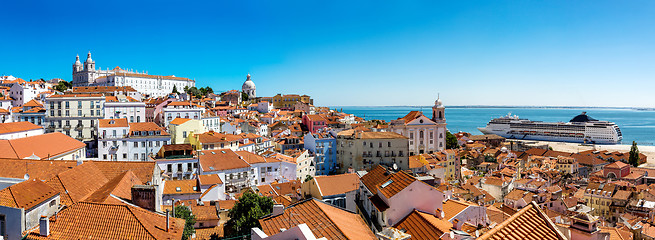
{"points": [[426, 135], [154, 85]]}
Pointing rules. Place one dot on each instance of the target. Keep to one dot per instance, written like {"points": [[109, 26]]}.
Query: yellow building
{"points": [[599, 198], [181, 128], [289, 101], [450, 160]]}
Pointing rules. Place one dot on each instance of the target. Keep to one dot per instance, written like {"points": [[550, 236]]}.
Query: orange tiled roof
{"points": [[13, 127], [528, 223], [424, 226], [377, 175], [33, 103], [17, 168], [204, 213], [396, 183], [50, 145], [26, 194], [209, 179], [222, 159], [120, 186], [178, 121], [324, 220], [109, 123], [109, 221], [111, 169], [452, 207], [337, 184], [287, 188], [189, 186]]}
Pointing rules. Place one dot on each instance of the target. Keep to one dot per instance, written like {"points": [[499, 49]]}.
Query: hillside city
{"points": [[122, 154]]}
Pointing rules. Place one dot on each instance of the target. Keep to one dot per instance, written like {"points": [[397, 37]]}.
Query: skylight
{"points": [[386, 183], [178, 189]]}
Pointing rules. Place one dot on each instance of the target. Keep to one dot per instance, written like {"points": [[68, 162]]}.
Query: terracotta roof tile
{"points": [[223, 159], [528, 223], [13, 127], [109, 221], [189, 186], [110, 123], [26, 194], [424, 226], [50, 145], [324, 221], [396, 183], [178, 121], [204, 213], [337, 184], [209, 179], [146, 126], [120, 186]]}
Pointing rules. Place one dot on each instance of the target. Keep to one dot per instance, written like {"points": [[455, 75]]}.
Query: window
{"points": [[184, 134], [143, 156], [136, 144], [179, 167], [3, 225], [79, 112], [104, 156], [188, 167], [388, 144], [136, 156], [124, 155], [53, 203], [169, 167]]}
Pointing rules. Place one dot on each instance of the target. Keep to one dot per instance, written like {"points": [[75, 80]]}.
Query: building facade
{"points": [[425, 135], [76, 115], [249, 88], [363, 150], [154, 85]]}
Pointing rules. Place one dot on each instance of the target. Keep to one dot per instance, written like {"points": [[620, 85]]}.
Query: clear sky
{"points": [[566, 53]]}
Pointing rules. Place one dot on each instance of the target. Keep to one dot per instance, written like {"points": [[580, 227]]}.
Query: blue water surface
{"points": [[636, 125]]}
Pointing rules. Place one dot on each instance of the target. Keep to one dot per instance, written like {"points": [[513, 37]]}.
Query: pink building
{"points": [[314, 122], [616, 170]]}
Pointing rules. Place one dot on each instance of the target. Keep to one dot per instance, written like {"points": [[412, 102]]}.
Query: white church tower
{"points": [[249, 87]]}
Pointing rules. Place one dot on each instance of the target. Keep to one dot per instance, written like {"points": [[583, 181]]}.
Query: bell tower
{"points": [[438, 114]]}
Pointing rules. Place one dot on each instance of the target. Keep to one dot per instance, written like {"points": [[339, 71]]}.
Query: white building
{"points": [[154, 85], [249, 88], [425, 135], [211, 122], [75, 115], [23, 205], [123, 141], [181, 110], [22, 91], [122, 106]]}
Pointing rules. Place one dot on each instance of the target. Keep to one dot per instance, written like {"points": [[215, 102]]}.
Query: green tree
{"points": [[63, 86], [451, 141], [489, 158], [244, 96], [634, 155], [175, 89], [184, 212], [308, 178], [246, 214]]}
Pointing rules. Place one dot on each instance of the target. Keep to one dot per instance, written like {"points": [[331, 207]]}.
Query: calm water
{"points": [[636, 125]]}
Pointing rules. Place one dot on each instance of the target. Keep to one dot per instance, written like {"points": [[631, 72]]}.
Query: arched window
{"points": [[440, 115]]}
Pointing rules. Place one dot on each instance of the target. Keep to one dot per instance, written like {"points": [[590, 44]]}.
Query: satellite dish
{"points": [[395, 167], [452, 235], [27, 176], [477, 233], [443, 215]]}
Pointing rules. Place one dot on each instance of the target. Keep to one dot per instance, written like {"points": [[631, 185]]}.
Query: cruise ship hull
{"points": [[581, 129]]}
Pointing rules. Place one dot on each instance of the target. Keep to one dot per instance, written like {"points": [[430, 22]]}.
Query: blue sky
{"points": [[555, 53]]}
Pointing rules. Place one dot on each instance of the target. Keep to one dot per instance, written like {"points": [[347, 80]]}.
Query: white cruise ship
{"points": [[580, 129]]}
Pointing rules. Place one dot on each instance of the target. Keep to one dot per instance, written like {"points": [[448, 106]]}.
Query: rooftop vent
{"points": [[178, 189], [386, 183]]}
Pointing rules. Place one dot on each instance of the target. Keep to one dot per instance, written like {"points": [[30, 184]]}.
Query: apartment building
{"points": [[363, 150], [76, 115]]}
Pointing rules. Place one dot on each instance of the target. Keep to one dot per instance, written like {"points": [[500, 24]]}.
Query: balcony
{"points": [[79, 127], [67, 127]]}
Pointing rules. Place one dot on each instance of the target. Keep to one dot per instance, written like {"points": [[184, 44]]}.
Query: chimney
{"points": [[455, 221], [278, 209], [44, 226], [168, 220]]}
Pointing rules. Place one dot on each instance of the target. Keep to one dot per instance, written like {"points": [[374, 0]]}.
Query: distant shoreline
{"points": [[500, 106]]}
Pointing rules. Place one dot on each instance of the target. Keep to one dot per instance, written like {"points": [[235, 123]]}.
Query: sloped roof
{"points": [[337, 184], [184, 186], [120, 186], [17, 168], [424, 226], [50, 145], [110, 123], [528, 223], [209, 179], [324, 220], [222, 159], [178, 121], [109, 221], [13, 127], [26, 194]]}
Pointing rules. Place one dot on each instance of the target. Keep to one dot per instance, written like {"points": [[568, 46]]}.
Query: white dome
{"points": [[438, 103], [88, 58], [77, 60], [249, 84]]}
